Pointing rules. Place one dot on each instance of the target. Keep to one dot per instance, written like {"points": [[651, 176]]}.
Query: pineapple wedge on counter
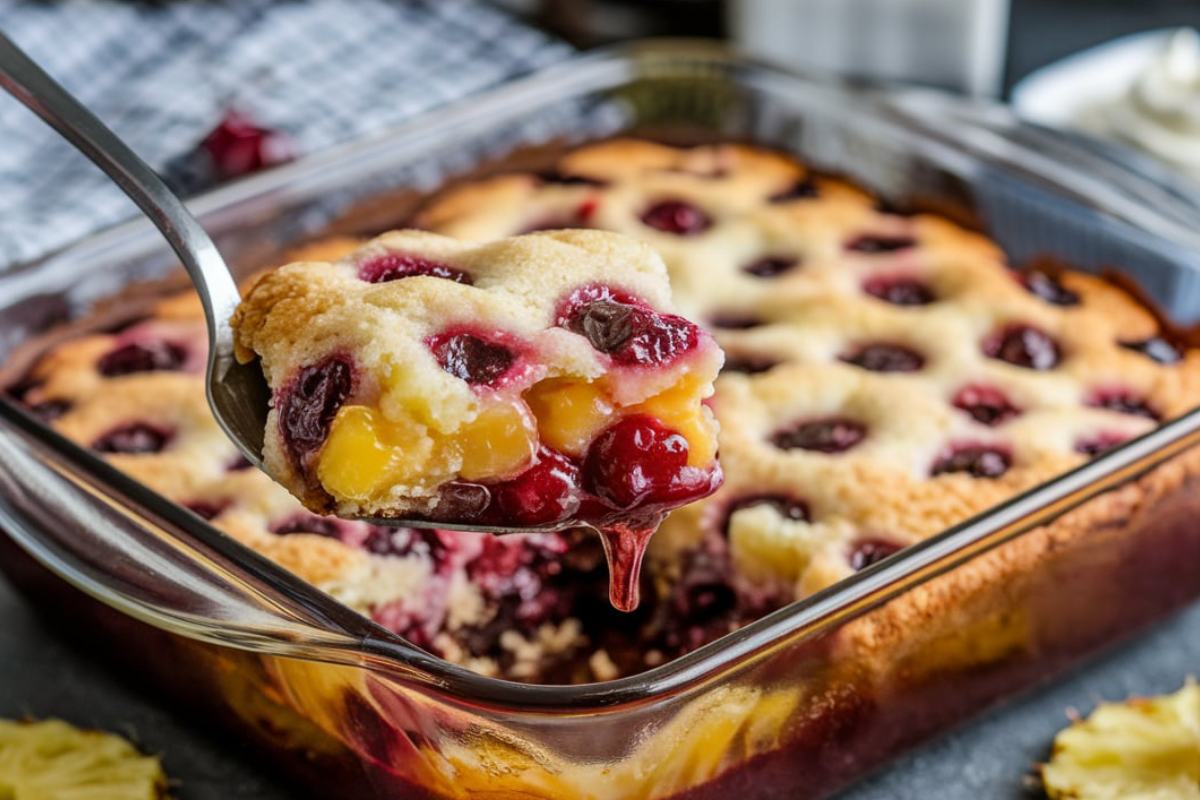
{"points": [[1142, 749], [52, 760]]}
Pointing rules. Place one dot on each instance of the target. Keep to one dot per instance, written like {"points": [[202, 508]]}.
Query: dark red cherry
{"points": [[873, 245], [633, 460], [771, 266], [432, 544], [899, 290], [474, 360], [1122, 401], [546, 493], [734, 321], [1048, 288], [749, 365], [238, 463], [393, 266], [677, 217], [985, 404], [980, 461], [884, 357], [206, 509], [866, 552], [619, 325], [833, 435], [804, 189], [1023, 346], [312, 401], [50, 410], [138, 437], [1099, 443], [1156, 349], [331, 527], [238, 147], [787, 507], [461, 501], [141, 357]]}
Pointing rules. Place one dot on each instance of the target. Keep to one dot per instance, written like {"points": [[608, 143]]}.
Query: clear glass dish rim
{"points": [[813, 616]]}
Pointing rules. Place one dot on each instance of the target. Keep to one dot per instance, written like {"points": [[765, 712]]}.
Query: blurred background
{"points": [[1016, 36]]}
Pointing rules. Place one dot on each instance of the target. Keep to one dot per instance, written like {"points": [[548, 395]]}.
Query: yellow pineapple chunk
{"points": [[365, 455], [501, 442], [570, 413], [1143, 749], [680, 409], [52, 760]]}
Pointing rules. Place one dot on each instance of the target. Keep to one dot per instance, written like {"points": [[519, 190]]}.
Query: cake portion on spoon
{"points": [[537, 382]]}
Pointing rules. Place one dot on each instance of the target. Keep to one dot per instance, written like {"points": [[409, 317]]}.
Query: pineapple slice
{"points": [[1143, 749], [52, 760]]}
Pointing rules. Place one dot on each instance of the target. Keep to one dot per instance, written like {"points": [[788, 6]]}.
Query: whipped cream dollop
{"points": [[1160, 111]]}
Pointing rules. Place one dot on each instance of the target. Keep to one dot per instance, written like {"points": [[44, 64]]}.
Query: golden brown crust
{"points": [[808, 317]]}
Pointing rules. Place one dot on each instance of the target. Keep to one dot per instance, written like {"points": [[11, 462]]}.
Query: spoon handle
{"points": [[28, 83]]}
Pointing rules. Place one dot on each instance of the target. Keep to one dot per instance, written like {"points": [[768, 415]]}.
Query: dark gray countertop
{"points": [[41, 676]]}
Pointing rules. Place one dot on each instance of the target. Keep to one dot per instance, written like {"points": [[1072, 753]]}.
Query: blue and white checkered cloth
{"points": [[162, 76]]}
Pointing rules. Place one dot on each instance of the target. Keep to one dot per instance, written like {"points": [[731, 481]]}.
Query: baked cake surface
{"points": [[887, 376]]}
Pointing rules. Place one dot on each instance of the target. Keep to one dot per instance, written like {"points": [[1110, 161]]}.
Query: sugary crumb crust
{"points": [[778, 264]]}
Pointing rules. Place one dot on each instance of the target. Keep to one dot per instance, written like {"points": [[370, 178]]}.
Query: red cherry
{"points": [[634, 461]]}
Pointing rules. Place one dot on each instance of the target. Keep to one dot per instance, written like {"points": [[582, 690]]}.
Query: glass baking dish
{"points": [[794, 705]]}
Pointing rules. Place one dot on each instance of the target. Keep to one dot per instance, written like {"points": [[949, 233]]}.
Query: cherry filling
{"points": [[636, 459], [899, 290], [1156, 349], [1099, 443], [771, 266], [474, 360], [979, 461], [330, 527], [1122, 401], [734, 321], [394, 266], [986, 404], [461, 500], [137, 437], [141, 357], [787, 507], [874, 245], [884, 357], [1048, 288], [311, 402], [619, 325], [833, 435], [866, 552], [206, 509], [433, 544], [677, 217], [544, 494], [749, 365], [1023, 346], [50, 410]]}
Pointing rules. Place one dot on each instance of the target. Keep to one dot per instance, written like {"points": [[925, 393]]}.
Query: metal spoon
{"points": [[237, 393]]}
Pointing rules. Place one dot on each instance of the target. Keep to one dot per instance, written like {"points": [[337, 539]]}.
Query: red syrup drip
{"points": [[624, 548]]}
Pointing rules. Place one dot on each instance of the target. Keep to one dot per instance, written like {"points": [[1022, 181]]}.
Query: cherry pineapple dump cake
{"points": [[533, 382], [886, 376]]}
